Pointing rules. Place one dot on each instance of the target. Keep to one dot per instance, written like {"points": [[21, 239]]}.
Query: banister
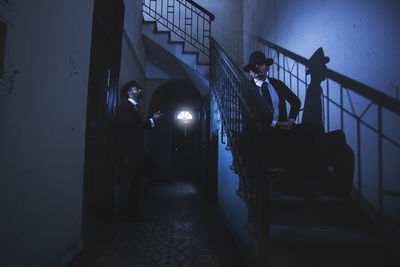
{"points": [[184, 19], [368, 92], [243, 114], [212, 17], [357, 114], [241, 78]]}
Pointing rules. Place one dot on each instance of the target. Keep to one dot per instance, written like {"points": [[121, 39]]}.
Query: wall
{"points": [[42, 133], [233, 208], [133, 58], [360, 37], [227, 27], [133, 28], [131, 68]]}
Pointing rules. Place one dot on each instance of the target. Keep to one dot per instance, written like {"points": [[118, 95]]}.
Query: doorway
{"points": [[108, 18], [173, 145], [186, 145]]}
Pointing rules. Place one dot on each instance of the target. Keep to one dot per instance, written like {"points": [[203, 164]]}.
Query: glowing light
{"points": [[184, 116]]}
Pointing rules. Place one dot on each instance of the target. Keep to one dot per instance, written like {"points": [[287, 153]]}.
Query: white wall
{"points": [[133, 27], [42, 132], [227, 27], [361, 38], [131, 68]]}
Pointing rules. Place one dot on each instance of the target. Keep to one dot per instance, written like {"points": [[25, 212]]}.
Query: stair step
{"points": [[176, 42], [181, 49], [315, 234]]}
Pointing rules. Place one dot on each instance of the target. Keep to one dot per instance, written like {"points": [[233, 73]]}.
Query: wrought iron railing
{"points": [[369, 118], [242, 113], [184, 18]]}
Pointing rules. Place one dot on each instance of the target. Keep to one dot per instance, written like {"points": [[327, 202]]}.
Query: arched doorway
{"points": [[175, 143]]}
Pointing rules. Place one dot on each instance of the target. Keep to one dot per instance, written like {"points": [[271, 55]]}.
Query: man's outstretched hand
{"points": [[158, 115]]}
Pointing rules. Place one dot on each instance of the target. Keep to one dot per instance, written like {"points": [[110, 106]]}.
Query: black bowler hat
{"points": [[257, 57], [129, 84]]}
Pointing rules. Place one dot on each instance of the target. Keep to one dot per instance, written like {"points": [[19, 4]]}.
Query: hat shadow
{"points": [[313, 113]]}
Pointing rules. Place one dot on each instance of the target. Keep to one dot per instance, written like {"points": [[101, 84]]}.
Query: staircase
{"points": [[290, 219], [181, 28]]}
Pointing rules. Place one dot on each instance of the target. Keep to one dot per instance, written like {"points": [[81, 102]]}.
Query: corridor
{"points": [[185, 231], [63, 67]]}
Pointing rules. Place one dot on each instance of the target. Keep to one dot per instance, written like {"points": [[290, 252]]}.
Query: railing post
{"points": [[188, 29]]}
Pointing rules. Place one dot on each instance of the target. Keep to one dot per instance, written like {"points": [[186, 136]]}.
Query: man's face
{"points": [[135, 93], [260, 70]]}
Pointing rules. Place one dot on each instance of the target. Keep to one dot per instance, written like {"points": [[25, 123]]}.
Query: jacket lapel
{"points": [[265, 92]]}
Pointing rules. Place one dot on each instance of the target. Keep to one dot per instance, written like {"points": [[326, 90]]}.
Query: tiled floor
{"points": [[185, 231]]}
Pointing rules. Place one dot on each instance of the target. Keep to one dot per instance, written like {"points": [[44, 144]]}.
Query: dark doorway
{"points": [[186, 145], [108, 18], [173, 145]]}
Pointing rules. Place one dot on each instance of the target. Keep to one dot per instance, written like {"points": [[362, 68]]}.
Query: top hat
{"points": [[257, 57]]}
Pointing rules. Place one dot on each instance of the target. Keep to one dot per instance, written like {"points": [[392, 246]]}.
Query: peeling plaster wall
{"points": [[42, 132]]}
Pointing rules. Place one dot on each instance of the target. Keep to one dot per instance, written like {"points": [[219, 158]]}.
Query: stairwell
{"points": [[306, 222], [294, 220], [169, 33]]}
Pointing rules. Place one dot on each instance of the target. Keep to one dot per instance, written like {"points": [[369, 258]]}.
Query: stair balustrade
{"points": [[243, 114], [185, 18], [369, 118]]}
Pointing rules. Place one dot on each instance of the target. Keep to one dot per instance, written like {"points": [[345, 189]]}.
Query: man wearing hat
{"points": [[282, 138], [134, 160], [293, 146]]}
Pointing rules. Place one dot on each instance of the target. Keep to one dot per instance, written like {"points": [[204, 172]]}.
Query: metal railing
{"points": [[369, 118], [184, 18], [242, 113]]}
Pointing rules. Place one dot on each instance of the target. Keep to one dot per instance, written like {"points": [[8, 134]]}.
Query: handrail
{"points": [[356, 109], [247, 89], [243, 114], [212, 17], [183, 18], [366, 91]]}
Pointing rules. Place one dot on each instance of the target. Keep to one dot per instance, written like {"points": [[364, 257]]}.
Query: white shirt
{"points": [[134, 103], [274, 98]]}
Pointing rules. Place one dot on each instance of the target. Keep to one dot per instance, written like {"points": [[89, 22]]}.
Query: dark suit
{"points": [[300, 147], [284, 94], [282, 146], [131, 129], [132, 155]]}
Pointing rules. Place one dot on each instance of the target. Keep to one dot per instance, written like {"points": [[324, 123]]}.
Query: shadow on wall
{"points": [[171, 97], [369, 118], [313, 113], [332, 147]]}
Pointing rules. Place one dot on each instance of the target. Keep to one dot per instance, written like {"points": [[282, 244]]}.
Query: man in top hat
{"points": [[281, 137], [134, 160]]}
